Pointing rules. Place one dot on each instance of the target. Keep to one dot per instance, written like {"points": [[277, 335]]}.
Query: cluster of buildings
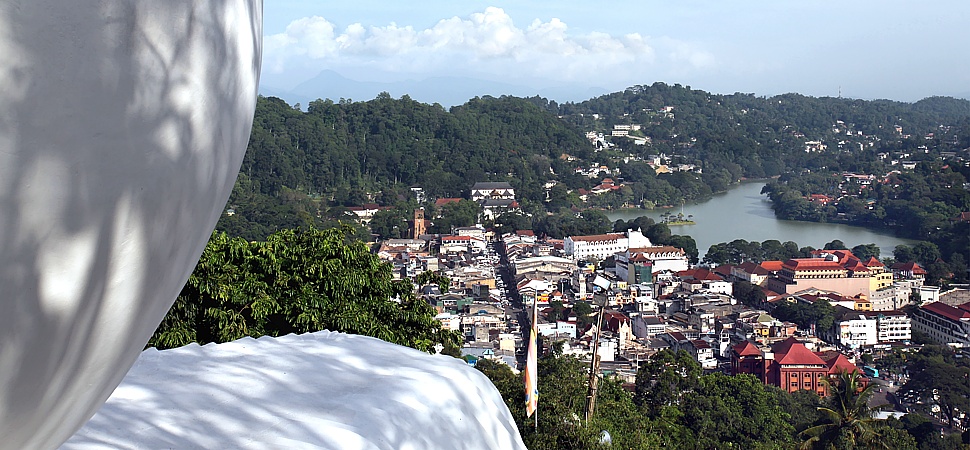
{"points": [[653, 300]]}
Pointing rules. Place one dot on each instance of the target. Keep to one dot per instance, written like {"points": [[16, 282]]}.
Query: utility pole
{"points": [[594, 367]]}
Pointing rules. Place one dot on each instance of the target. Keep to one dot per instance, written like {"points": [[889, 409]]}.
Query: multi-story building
{"points": [[879, 276], [751, 272], [492, 191], [599, 246], [789, 365], [831, 270], [944, 323], [852, 329], [632, 264], [633, 269], [551, 268], [602, 246], [894, 326]]}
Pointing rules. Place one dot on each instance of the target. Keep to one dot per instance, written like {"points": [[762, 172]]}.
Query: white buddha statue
{"points": [[123, 124]]}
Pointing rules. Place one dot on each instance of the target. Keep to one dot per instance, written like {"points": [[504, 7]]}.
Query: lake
{"points": [[744, 213]]}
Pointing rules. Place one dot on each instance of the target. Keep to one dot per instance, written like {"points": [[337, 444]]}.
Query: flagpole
{"points": [[535, 328], [531, 368]]}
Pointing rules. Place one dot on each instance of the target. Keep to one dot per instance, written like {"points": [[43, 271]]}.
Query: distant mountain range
{"points": [[447, 91]]}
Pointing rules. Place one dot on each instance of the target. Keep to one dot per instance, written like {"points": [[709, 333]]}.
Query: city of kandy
{"points": [[507, 227]]}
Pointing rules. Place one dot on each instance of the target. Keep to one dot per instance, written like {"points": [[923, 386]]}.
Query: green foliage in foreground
{"points": [[674, 405], [297, 281]]}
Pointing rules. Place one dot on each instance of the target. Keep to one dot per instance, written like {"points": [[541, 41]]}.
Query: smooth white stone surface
{"points": [[122, 127], [317, 390]]}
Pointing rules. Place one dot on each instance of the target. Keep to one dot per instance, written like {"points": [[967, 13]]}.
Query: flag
{"points": [[531, 369]]}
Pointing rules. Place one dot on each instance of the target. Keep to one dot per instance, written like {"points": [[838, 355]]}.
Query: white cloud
{"points": [[487, 41]]}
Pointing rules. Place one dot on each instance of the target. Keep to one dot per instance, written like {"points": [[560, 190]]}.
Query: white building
{"points": [[661, 257], [602, 246], [894, 326], [559, 328], [864, 328], [492, 191], [949, 325]]}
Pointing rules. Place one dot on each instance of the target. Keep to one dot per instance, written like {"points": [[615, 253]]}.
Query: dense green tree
{"points": [[801, 405], [686, 243], [936, 378], [584, 314], [866, 251], [927, 433], [846, 419], [464, 213], [820, 314], [749, 294], [835, 245], [512, 221], [390, 224], [563, 386], [665, 379], [735, 411], [297, 281]]}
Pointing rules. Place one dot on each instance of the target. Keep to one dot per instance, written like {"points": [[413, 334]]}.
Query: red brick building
{"points": [[789, 365]]}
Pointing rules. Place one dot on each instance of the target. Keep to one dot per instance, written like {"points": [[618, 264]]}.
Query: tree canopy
{"points": [[297, 281]]}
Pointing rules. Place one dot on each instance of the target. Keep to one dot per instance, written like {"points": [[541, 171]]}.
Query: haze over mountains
{"points": [[447, 91]]}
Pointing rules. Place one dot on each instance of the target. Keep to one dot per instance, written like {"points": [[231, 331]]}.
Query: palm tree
{"points": [[848, 420]]}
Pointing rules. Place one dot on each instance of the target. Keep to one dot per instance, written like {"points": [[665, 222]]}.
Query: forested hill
{"points": [[303, 168], [300, 165], [385, 142], [762, 134]]}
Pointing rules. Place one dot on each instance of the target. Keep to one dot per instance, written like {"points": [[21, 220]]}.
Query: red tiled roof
{"points": [[444, 201], [524, 233], [597, 237], [812, 264], [838, 363], [873, 262], [947, 311], [724, 269], [747, 348], [700, 273], [657, 249], [752, 268], [844, 255], [700, 344], [772, 266], [909, 267], [791, 351], [677, 335]]}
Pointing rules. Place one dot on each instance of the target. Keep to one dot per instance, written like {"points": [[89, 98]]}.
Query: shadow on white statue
{"points": [[123, 124]]}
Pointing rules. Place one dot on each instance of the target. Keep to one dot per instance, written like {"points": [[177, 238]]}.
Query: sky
{"points": [[893, 49]]}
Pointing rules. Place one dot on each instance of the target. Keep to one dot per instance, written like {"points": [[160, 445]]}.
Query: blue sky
{"points": [[901, 50]]}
